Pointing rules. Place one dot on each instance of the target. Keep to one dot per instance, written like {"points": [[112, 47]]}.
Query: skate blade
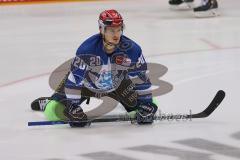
{"points": [[184, 6], [206, 14]]}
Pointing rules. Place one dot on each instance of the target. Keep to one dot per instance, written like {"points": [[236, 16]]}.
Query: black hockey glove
{"points": [[145, 113], [75, 114]]}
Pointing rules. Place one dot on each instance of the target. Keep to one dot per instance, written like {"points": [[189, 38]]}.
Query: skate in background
{"points": [[206, 8]]}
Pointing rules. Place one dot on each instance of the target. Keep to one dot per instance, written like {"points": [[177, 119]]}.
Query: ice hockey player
{"points": [[208, 8], [105, 64]]}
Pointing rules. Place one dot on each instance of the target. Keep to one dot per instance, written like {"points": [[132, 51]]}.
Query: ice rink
{"points": [[202, 57]]}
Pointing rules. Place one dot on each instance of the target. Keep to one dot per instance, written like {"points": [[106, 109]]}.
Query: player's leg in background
{"points": [[207, 8]]}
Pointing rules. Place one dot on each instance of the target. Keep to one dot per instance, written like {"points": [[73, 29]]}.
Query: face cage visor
{"points": [[109, 23]]}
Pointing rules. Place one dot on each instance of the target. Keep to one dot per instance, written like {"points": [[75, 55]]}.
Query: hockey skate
{"points": [[40, 103], [207, 9], [181, 4]]}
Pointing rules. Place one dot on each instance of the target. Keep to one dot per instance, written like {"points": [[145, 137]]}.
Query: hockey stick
{"points": [[119, 118], [211, 107]]}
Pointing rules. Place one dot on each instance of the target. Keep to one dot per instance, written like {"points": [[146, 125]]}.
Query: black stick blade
{"points": [[212, 106]]}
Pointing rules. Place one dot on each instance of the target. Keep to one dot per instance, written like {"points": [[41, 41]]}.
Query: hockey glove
{"points": [[75, 114], [145, 113]]}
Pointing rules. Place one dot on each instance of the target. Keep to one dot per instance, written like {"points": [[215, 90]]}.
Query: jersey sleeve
{"points": [[76, 76], [140, 78]]}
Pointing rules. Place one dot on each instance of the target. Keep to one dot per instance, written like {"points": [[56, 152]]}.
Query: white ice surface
{"points": [[202, 56]]}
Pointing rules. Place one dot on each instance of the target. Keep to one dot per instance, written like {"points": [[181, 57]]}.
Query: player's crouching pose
{"points": [[108, 64]]}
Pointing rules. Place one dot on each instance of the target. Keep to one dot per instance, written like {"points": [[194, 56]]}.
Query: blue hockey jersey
{"points": [[98, 71]]}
